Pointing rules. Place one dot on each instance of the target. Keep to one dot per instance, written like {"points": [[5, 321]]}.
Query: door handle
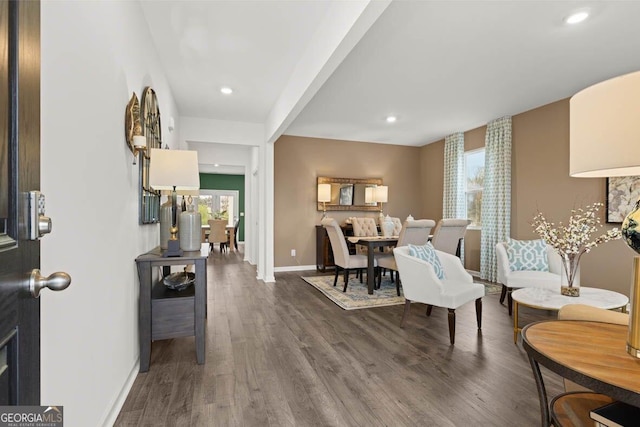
{"points": [[57, 281]]}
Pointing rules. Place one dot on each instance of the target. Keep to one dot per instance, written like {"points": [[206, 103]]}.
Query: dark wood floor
{"points": [[284, 355]]}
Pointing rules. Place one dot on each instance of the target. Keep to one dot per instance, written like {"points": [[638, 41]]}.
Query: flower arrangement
{"points": [[573, 240]]}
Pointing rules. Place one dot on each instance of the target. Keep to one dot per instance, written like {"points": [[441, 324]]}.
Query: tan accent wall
{"points": [[298, 161]]}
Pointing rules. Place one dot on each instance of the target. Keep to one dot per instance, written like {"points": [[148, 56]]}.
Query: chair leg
{"points": [[429, 308], [509, 300], [346, 279], [452, 325], [479, 312], [361, 274], [379, 276], [407, 303], [503, 294], [398, 282], [335, 280]]}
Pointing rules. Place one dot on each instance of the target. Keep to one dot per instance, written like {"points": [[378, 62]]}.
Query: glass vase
{"points": [[568, 284]]}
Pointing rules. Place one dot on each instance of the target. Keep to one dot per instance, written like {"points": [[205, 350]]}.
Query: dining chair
{"points": [[341, 257], [363, 227], [218, 233], [414, 232], [451, 288], [448, 235]]}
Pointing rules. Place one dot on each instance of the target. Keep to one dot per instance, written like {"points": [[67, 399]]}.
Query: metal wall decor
{"points": [[150, 120]]}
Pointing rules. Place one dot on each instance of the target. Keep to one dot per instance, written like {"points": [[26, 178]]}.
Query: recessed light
{"points": [[226, 90], [391, 119], [577, 17], [215, 165]]}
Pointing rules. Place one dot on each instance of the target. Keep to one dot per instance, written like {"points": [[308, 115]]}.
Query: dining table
{"points": [[372, 244]]}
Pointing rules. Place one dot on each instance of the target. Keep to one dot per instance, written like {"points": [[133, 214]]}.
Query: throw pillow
{"points": [[527, 255], [428, 253]]}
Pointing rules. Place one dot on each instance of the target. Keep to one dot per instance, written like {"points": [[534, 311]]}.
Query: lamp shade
{"points": [[382, 193], [169, 169], [605, 129], [369, 194], [324, 192]]}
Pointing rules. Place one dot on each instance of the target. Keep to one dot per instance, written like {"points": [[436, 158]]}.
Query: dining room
{"points": [[414, 177]]}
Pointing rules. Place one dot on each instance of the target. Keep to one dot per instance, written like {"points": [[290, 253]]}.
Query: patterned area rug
{"points": [[357, 297]]}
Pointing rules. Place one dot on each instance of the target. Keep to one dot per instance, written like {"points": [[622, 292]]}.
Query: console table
{"points": [[165, 313], [592, 354]]}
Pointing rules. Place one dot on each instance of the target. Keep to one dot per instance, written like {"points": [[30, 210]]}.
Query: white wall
{"points": [[94, 55]]}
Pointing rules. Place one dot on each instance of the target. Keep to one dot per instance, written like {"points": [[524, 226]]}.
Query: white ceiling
{"points": [[439, 66]]}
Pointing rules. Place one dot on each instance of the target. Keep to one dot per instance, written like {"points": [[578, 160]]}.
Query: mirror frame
{"points": [[329, 207]]}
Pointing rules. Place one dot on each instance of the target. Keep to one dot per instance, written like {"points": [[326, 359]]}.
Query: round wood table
{"points": [[592, 354]]}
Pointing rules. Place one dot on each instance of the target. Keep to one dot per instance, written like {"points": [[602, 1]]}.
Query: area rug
{"points": [[357, 297]]}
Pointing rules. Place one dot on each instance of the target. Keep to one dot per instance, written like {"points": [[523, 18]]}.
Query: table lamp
{"points": [[174, 170], [381, 195], [604, 141], [324, 195]]}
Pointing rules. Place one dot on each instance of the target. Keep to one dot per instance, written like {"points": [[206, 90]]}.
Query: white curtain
{"points": [[453, 199], [496, 195]]}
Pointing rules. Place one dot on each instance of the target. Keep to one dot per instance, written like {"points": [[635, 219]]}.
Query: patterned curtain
{"points": [[496, 195], [453, 200], [453, 197]]}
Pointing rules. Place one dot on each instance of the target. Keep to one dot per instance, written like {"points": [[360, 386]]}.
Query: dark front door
{"points": [[19, 174]]}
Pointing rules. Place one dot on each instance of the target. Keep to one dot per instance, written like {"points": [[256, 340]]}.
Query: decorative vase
{"points": [[166, 215], [190, 230], [387, 226], [568, 285], [631, 228]]}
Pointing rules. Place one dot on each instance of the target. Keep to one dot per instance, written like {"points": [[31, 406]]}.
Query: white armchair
{"points": [[527, 279], [421, 284]]}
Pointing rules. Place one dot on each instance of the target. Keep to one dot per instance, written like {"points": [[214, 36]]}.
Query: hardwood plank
{"points": [[282, 354]]}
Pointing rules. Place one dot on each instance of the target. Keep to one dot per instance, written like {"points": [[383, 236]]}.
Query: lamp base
{"points": [[173, 249], [633, 339]]}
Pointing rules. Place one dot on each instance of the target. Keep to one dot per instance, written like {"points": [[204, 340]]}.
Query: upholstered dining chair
{"points": [[218, 233], [341, 257], [415, 232], [448, 235], [421, 283]]}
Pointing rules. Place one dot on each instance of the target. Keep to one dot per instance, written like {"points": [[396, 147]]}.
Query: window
{"points": [[474, 184]]}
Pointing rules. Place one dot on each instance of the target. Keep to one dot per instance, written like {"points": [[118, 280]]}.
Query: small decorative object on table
{"points": [[573, 240], [179, 281], [387, 226]]}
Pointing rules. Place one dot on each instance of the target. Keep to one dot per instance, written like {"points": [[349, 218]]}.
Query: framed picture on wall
{"points": [[346, 194], [622, 194]]}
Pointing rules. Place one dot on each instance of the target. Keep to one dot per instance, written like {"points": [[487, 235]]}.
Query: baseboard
{"points": [[474, 273], [111, 416], [294, 268]]}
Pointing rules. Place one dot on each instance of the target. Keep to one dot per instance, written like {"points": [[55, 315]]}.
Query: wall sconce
{"points": [[604, 133], [133, 129], [324, 195]]}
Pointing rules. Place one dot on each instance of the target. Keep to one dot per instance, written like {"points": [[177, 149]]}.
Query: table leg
{"points": [[515, 322], [370, 274], [144, 314], [542, 393]]}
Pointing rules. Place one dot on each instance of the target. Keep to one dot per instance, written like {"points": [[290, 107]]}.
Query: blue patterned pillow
{"points": [[527, 255], [428, 253]]}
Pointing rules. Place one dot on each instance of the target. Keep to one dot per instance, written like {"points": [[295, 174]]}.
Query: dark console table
{"points": [[165, 313]]}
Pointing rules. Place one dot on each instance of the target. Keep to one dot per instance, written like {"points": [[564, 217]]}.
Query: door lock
{"points": [[37, 223]]}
